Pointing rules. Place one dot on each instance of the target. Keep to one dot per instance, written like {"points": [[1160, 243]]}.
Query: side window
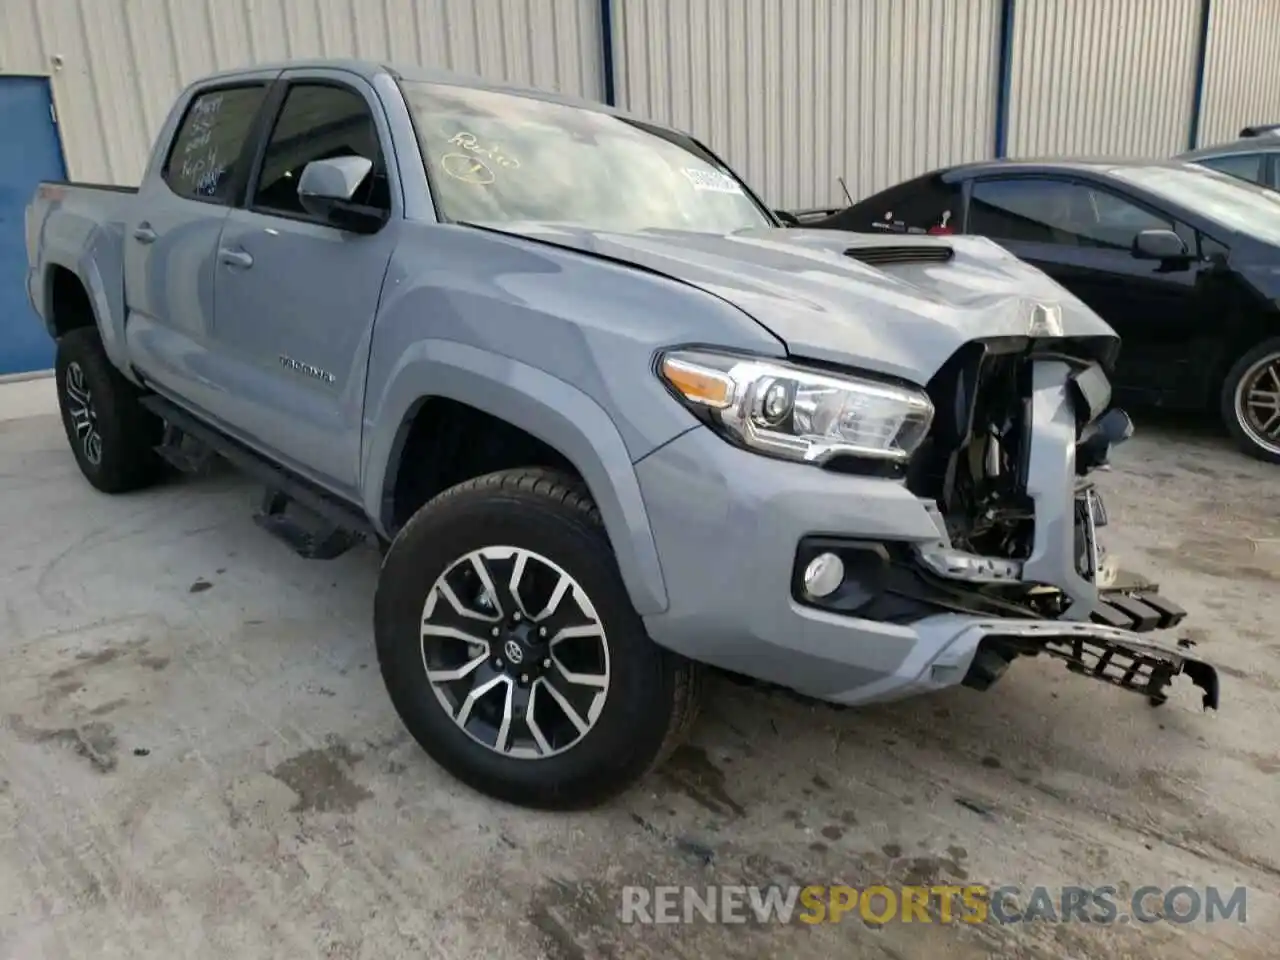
{"points": [[1246, 166], [319, 122], [1118, 221], [926, 204], [1059, 212], [203, 161]]}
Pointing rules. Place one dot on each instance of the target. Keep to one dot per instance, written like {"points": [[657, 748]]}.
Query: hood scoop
{"points": [[894, 256]]}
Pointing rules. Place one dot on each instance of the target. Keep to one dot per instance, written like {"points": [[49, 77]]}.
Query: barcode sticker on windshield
{"points": [[712, 180]]}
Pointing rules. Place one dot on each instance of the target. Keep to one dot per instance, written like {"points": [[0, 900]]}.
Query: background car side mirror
{"points": [[326, 190], [1158, 245]]}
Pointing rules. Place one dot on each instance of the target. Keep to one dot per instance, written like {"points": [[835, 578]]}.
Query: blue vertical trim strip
{"points": [[1004, 74], [606, 44], [1197, 96]]}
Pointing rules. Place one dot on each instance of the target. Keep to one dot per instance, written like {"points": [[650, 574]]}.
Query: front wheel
{"points": [[511, 651], [1251, 401]]}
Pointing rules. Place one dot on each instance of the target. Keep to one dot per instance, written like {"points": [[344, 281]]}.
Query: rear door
{"points": [[1081, 233], [296, 297], [172, 236]]}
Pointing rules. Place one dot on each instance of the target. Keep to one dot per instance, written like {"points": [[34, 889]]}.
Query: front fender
{"points": [[544, 406]]}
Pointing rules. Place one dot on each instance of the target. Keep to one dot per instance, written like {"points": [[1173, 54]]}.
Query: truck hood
{"points": [[904, 316]]}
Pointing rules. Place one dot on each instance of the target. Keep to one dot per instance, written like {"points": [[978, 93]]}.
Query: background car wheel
{"points": [[112, 436], [1251, 401], [512, 653]]}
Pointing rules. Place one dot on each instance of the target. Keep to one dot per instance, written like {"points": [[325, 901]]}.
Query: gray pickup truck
{"points": [[609, 419]]}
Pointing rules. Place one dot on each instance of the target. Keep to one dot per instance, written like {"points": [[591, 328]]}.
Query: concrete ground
{"points": [[197, 758]]}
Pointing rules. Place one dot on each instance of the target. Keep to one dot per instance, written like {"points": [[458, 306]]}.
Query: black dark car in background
{"points": [[1182, 261]]}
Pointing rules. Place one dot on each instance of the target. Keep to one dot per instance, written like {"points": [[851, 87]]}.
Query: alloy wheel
{"points": [[84, 418], [515, 652], [1258, 403]]}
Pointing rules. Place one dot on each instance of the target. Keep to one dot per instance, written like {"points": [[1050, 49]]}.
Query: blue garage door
{"points": [[29, 153]]}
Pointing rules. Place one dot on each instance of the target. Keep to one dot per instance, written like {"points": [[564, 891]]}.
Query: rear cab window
{"points": [[927, 204], [206, 159]]}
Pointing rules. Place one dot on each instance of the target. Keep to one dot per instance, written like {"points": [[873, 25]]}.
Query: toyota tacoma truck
{"points": [[609, 419]]}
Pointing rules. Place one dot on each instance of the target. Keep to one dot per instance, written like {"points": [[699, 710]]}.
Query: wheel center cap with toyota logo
{"points": [[514, 652]]}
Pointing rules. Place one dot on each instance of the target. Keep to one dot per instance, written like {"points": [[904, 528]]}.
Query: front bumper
{"points": [[727, 524]]}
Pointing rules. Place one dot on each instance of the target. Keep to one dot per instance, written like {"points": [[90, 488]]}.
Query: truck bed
{"points": [[80, 227], [64, 215]]}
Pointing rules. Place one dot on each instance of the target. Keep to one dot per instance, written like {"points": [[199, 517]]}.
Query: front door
{"points": [[1081, 234], [29, 153], [296, 297]]}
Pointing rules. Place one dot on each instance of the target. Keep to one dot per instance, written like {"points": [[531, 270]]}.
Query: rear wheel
{"points": [[112, 436], [511, 650], [1250, 401]]}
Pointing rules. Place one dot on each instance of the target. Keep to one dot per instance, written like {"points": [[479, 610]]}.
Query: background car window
{"points": [[1225, 200], [319, 122], [1059, 212], [926, 204], [1246, 166], [202, 162]]}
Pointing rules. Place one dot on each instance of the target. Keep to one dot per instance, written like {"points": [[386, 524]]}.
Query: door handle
{"points": [[144, 234], [235, 258]]}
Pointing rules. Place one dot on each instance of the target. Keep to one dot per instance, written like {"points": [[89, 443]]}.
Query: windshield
{"points": [[1224, 199], [498, 158]]}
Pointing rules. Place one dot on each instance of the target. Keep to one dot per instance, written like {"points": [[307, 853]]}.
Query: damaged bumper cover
{"points": [[1102, 633], [960, 649], [906, 610], [1100, 628]]}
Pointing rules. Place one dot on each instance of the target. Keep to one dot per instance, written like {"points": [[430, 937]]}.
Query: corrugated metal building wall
{"points": [[116, 65], [1242, 68], [1102, 77], [795, 93]]}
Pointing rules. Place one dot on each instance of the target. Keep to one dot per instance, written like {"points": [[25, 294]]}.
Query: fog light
{"points": [[823, 575]]}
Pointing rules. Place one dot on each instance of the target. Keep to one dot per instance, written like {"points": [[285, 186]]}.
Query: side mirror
{"points": [[326, 189], [1158, 245]]}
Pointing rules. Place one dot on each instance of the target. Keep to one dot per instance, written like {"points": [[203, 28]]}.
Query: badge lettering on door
{"points": [[324, 376]]}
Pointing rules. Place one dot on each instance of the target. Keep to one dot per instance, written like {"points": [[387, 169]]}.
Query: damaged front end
{"points": [[1020, 424]]}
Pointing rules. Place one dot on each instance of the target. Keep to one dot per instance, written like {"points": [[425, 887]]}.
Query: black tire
{"points": [[652, 696], [1235, 417], [124, 456]]}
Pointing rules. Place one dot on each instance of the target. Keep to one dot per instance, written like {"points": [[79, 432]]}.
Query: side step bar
{"points": [[312, 521]]}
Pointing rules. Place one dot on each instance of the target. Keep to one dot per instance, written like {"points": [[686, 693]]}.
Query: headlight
{"points": [[789, 411]]}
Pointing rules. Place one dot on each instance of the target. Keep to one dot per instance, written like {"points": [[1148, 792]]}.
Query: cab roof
{"points": [[414, 73], [1094, 165]]}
